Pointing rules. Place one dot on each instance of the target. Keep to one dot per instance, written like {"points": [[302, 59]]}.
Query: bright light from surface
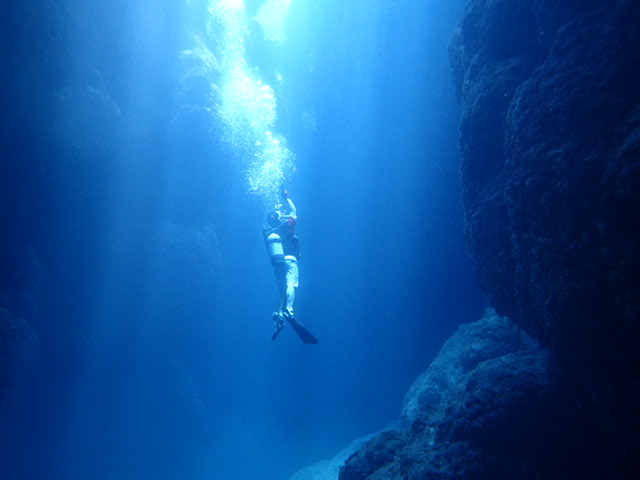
{"points": [[271, 16]]}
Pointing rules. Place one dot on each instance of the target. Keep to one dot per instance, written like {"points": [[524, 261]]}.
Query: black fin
{"points": [[305, 335], [279, 325], [277, 331]]}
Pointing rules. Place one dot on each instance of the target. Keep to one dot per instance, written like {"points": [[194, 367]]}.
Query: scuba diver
{"points": [[284, 250]]}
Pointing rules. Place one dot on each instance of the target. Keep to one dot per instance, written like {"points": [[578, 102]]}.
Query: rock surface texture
{"points": [[550, 142], [550, 137], [475, 412]]}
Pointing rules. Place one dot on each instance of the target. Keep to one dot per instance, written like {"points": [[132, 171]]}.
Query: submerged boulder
{"points": [[481, 410]]}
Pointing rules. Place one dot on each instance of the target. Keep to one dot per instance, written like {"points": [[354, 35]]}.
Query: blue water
{"points": [[150, 367]]}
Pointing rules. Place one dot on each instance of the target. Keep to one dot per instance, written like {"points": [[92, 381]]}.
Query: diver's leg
{"points": [[290, 298], [291, 284], [280, 271]]}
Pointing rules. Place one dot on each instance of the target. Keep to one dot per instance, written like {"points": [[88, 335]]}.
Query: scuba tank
{"points": [[275, 249]]}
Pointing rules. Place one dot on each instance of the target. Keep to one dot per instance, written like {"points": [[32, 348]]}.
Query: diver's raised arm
{"points": [[292, 213]]}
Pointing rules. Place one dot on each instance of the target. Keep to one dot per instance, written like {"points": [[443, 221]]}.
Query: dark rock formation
{"points": [[481, 410], [550, 97], [493, 404], [550, 142], [549, 137]]}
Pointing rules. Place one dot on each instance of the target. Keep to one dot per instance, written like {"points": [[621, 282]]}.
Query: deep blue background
{"points": [[384, 274]]}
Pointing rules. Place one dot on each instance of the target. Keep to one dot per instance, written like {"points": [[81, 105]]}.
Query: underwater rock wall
{"points": [[109, 265], [550, 142], [550, 97], [86, 158]]}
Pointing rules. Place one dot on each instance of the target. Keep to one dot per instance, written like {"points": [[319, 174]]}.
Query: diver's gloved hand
{"points": [[284, 192]]}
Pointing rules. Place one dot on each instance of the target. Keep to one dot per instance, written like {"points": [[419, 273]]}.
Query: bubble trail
{"points": [[247, 106]]}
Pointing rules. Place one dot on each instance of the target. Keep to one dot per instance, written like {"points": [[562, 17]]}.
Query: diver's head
{"points": [[273, 218]]}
